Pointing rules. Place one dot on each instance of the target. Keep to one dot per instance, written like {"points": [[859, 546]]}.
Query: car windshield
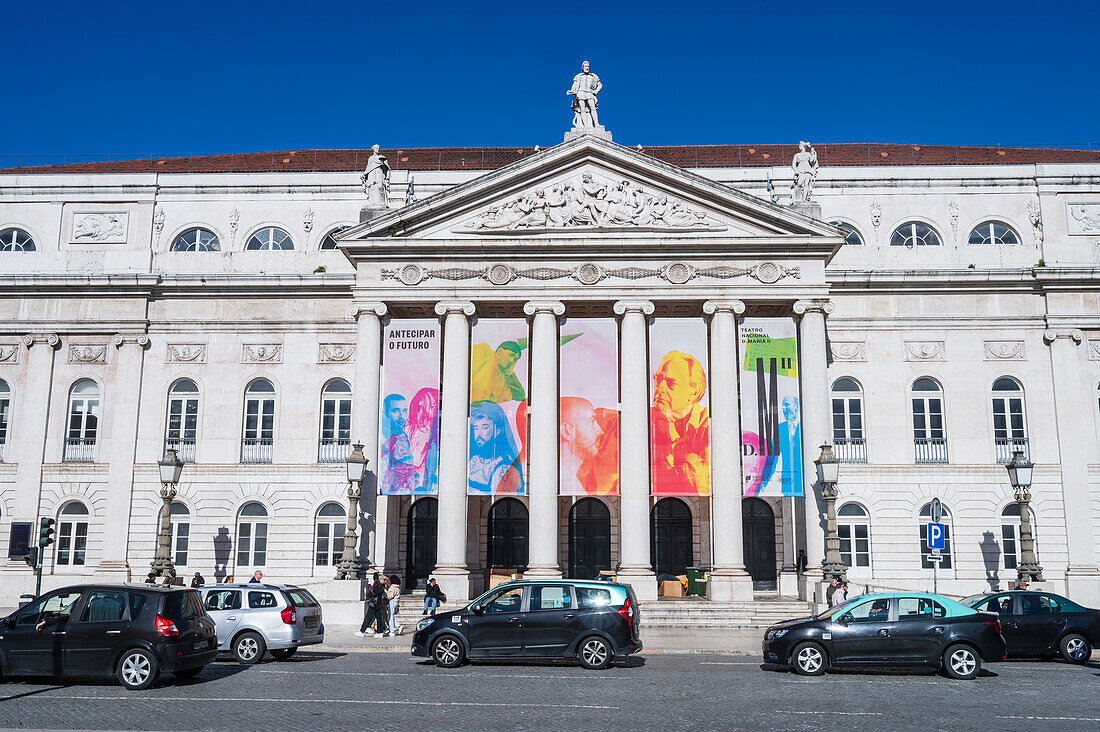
{"points": [[840, 609], [974, 599]]}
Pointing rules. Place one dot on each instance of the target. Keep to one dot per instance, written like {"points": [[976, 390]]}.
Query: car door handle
{"points": [[938, 629], [513, 620], [59, 632], [884, 631], [232, 617], [569, 615], [113, 632]]}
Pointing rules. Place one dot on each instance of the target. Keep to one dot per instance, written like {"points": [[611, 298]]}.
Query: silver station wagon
{"points": [[256, 618]]}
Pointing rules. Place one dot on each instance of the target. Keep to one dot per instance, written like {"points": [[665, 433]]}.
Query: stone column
{"points": [[451, 571], [635, 566], [813, 369], [1074, 454], [125, 407], [29, 433], [728, 578], [542, 484], [368, 372]]}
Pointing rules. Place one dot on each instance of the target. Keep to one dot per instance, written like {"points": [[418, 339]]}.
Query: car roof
{"points": [[148, 587], [247, 586], [592, 583]]}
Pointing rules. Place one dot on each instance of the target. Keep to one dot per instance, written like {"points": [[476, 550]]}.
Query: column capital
{"points": [[50, 339], [533, 307], [446, 307], [710, 307], [622, 307], [1075, 334], [825, 307], [121, 339], [359, 308]]}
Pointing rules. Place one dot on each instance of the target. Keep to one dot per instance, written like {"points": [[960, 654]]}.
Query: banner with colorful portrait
{"points": [[408, 454], [771, 418], [498, 407], [679, 414], [589, 416]]}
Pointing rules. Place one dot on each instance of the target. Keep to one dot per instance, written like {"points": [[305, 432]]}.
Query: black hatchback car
{"points": [[1042, 624], [590, 621], [131, 631], [899, 629]]}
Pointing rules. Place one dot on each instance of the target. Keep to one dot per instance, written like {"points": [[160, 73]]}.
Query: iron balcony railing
{"points": [[257, 449], [333, 450], [931, 449], [185, 448], [850, 450], [79, 450], [1005, 446]]}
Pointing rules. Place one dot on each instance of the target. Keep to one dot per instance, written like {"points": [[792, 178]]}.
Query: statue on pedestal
{"points": [[586, 86], [376, 179], [805, 168]]}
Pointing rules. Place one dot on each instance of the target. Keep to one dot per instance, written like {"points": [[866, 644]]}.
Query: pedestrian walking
{"points": [[198, 580], [801, 561], [433, 598], [393, 598], [841, 594], [256, 578], [375, 609], [830, 592]]}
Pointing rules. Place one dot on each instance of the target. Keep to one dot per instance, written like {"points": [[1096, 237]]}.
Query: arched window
{"points": [[328, 242], [848, 442], [197, 240], [182, 428], [16, 240], [257, 442], [181, 533], [929, 433], [251, 537], [332, 520], [72, 534], [854, 528], [993, 232], [5, 418], [914, 233], [271, 237], [83, 422], [335, 440], [851, 236], [1009, 426], [925, 552], [1010, 534]]}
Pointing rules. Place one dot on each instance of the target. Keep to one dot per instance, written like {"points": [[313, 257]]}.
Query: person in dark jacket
{"points": [[151, 579], [375, 609], [830, 591], [198, 580], [433, 598]]}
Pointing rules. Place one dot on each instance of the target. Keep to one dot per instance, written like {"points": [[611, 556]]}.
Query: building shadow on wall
{"points": [[991, 556], [223, 547]]}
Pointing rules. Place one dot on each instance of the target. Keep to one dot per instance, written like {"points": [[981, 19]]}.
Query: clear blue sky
{"points": [[210, 77]]}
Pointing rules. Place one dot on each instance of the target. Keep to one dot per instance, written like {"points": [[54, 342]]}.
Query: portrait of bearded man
{"points": [[680, 427], [493, 467]]}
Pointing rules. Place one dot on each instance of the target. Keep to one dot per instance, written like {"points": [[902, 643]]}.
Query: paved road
{"points": [[318, 691]]}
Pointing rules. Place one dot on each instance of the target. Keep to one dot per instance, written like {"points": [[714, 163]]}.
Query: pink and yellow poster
{"points": [[589, 416], [498, 407], [679, 415], [408, 454]]}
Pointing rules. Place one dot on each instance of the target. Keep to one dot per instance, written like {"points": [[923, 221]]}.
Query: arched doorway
{"points": [[758, 527], [670, 547], [420, 547], [589, 538], [508, 534]]}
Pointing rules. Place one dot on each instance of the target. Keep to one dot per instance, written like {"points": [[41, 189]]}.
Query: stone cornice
{"points": [[179, 285]]}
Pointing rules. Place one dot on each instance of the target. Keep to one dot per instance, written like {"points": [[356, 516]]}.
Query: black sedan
{"points": [[897, 629], [1042, 624]]}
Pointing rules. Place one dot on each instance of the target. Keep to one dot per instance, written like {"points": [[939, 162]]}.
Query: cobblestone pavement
{"points": [[318, 691]]}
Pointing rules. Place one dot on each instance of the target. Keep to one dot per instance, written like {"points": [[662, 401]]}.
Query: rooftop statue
{"points": [[805, 168], [586, 86], [376, 179]]}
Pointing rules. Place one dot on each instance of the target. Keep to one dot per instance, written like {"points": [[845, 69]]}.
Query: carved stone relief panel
{"points": [[100, 228], [1083, 219], [1094, 349], [848, 351], [186, 353], [925, 351], [335, 352], [262, 353], [676, 273], [87, 353], [1004, 350], [9, 353]]}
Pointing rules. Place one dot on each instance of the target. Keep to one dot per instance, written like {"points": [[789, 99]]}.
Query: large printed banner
{"points": [[679, 415], [498, 407], [771, 425], [409, 434], [589, 426]]}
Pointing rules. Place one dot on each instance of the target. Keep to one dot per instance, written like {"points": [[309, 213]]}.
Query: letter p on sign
{"points": [[935, 536]]}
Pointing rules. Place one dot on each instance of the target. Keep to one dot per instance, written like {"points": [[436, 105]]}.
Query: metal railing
{"points": [[185, 448], [931, 449], [79, 450], [850, 450], [257, 449], [333, 450], [1005, 446]]}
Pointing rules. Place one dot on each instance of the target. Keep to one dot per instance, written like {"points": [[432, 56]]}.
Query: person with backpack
{"points": [[375, 609]]}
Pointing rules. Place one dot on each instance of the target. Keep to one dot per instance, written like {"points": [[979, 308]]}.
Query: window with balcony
{"points": [[257, 442], [83, 422], [181, 430], [331, 523], [929, 434], [848, 440], [1009, 426], [335, 441], [854, 528], [251, 537], [925, 552], [72, 535]]}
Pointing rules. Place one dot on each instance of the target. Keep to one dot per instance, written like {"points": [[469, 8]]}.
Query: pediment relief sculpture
{"points": [[589, 203]]}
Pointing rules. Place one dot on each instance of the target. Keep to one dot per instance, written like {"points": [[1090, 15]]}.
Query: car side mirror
{"points": [[477, 609]]}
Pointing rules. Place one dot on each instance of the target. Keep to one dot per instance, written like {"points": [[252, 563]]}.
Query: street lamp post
{"points": [[828, 472], [1019, 475], [170, 470], [350, 567]]}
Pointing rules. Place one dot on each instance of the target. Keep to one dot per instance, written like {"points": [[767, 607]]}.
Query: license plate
{"points": [[199, 645]]}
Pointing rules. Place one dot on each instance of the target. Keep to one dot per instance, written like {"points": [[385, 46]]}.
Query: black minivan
{"points": [[590, 621], [132, 631]]}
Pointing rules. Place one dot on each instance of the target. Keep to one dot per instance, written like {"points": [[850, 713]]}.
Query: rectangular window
{"points": [[322, 545], [919, 608], [261, 599], [104, 607], [223, 600], [183, 418], [259, 419], [72, 543], [551, 597], [5, 406], [181, 532], [1008, 545], [336, 419], [855, 544], [244, 544]]}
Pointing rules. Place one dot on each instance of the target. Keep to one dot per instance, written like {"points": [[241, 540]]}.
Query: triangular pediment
{"points": [[585, 187]]}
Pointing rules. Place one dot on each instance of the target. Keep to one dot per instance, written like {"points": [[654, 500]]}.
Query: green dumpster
{"points": [[697, 581]]}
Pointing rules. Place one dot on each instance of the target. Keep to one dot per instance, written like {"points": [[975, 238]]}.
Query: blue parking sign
{"points": [[935, 536]]}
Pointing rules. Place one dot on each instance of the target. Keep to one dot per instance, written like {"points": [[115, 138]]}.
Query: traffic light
{"points": [[45, 532], [31, 557]]}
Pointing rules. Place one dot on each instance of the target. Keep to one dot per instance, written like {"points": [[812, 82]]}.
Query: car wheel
{"points": [[188, 673], [1075, 648], [137, 669], [448, 651], [961, 662], [808, 659], [283, 653], [594, 653], [249, 648]]}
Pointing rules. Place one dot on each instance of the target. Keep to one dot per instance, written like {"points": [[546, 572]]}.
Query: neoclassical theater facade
{"points": [[549, 356]]}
